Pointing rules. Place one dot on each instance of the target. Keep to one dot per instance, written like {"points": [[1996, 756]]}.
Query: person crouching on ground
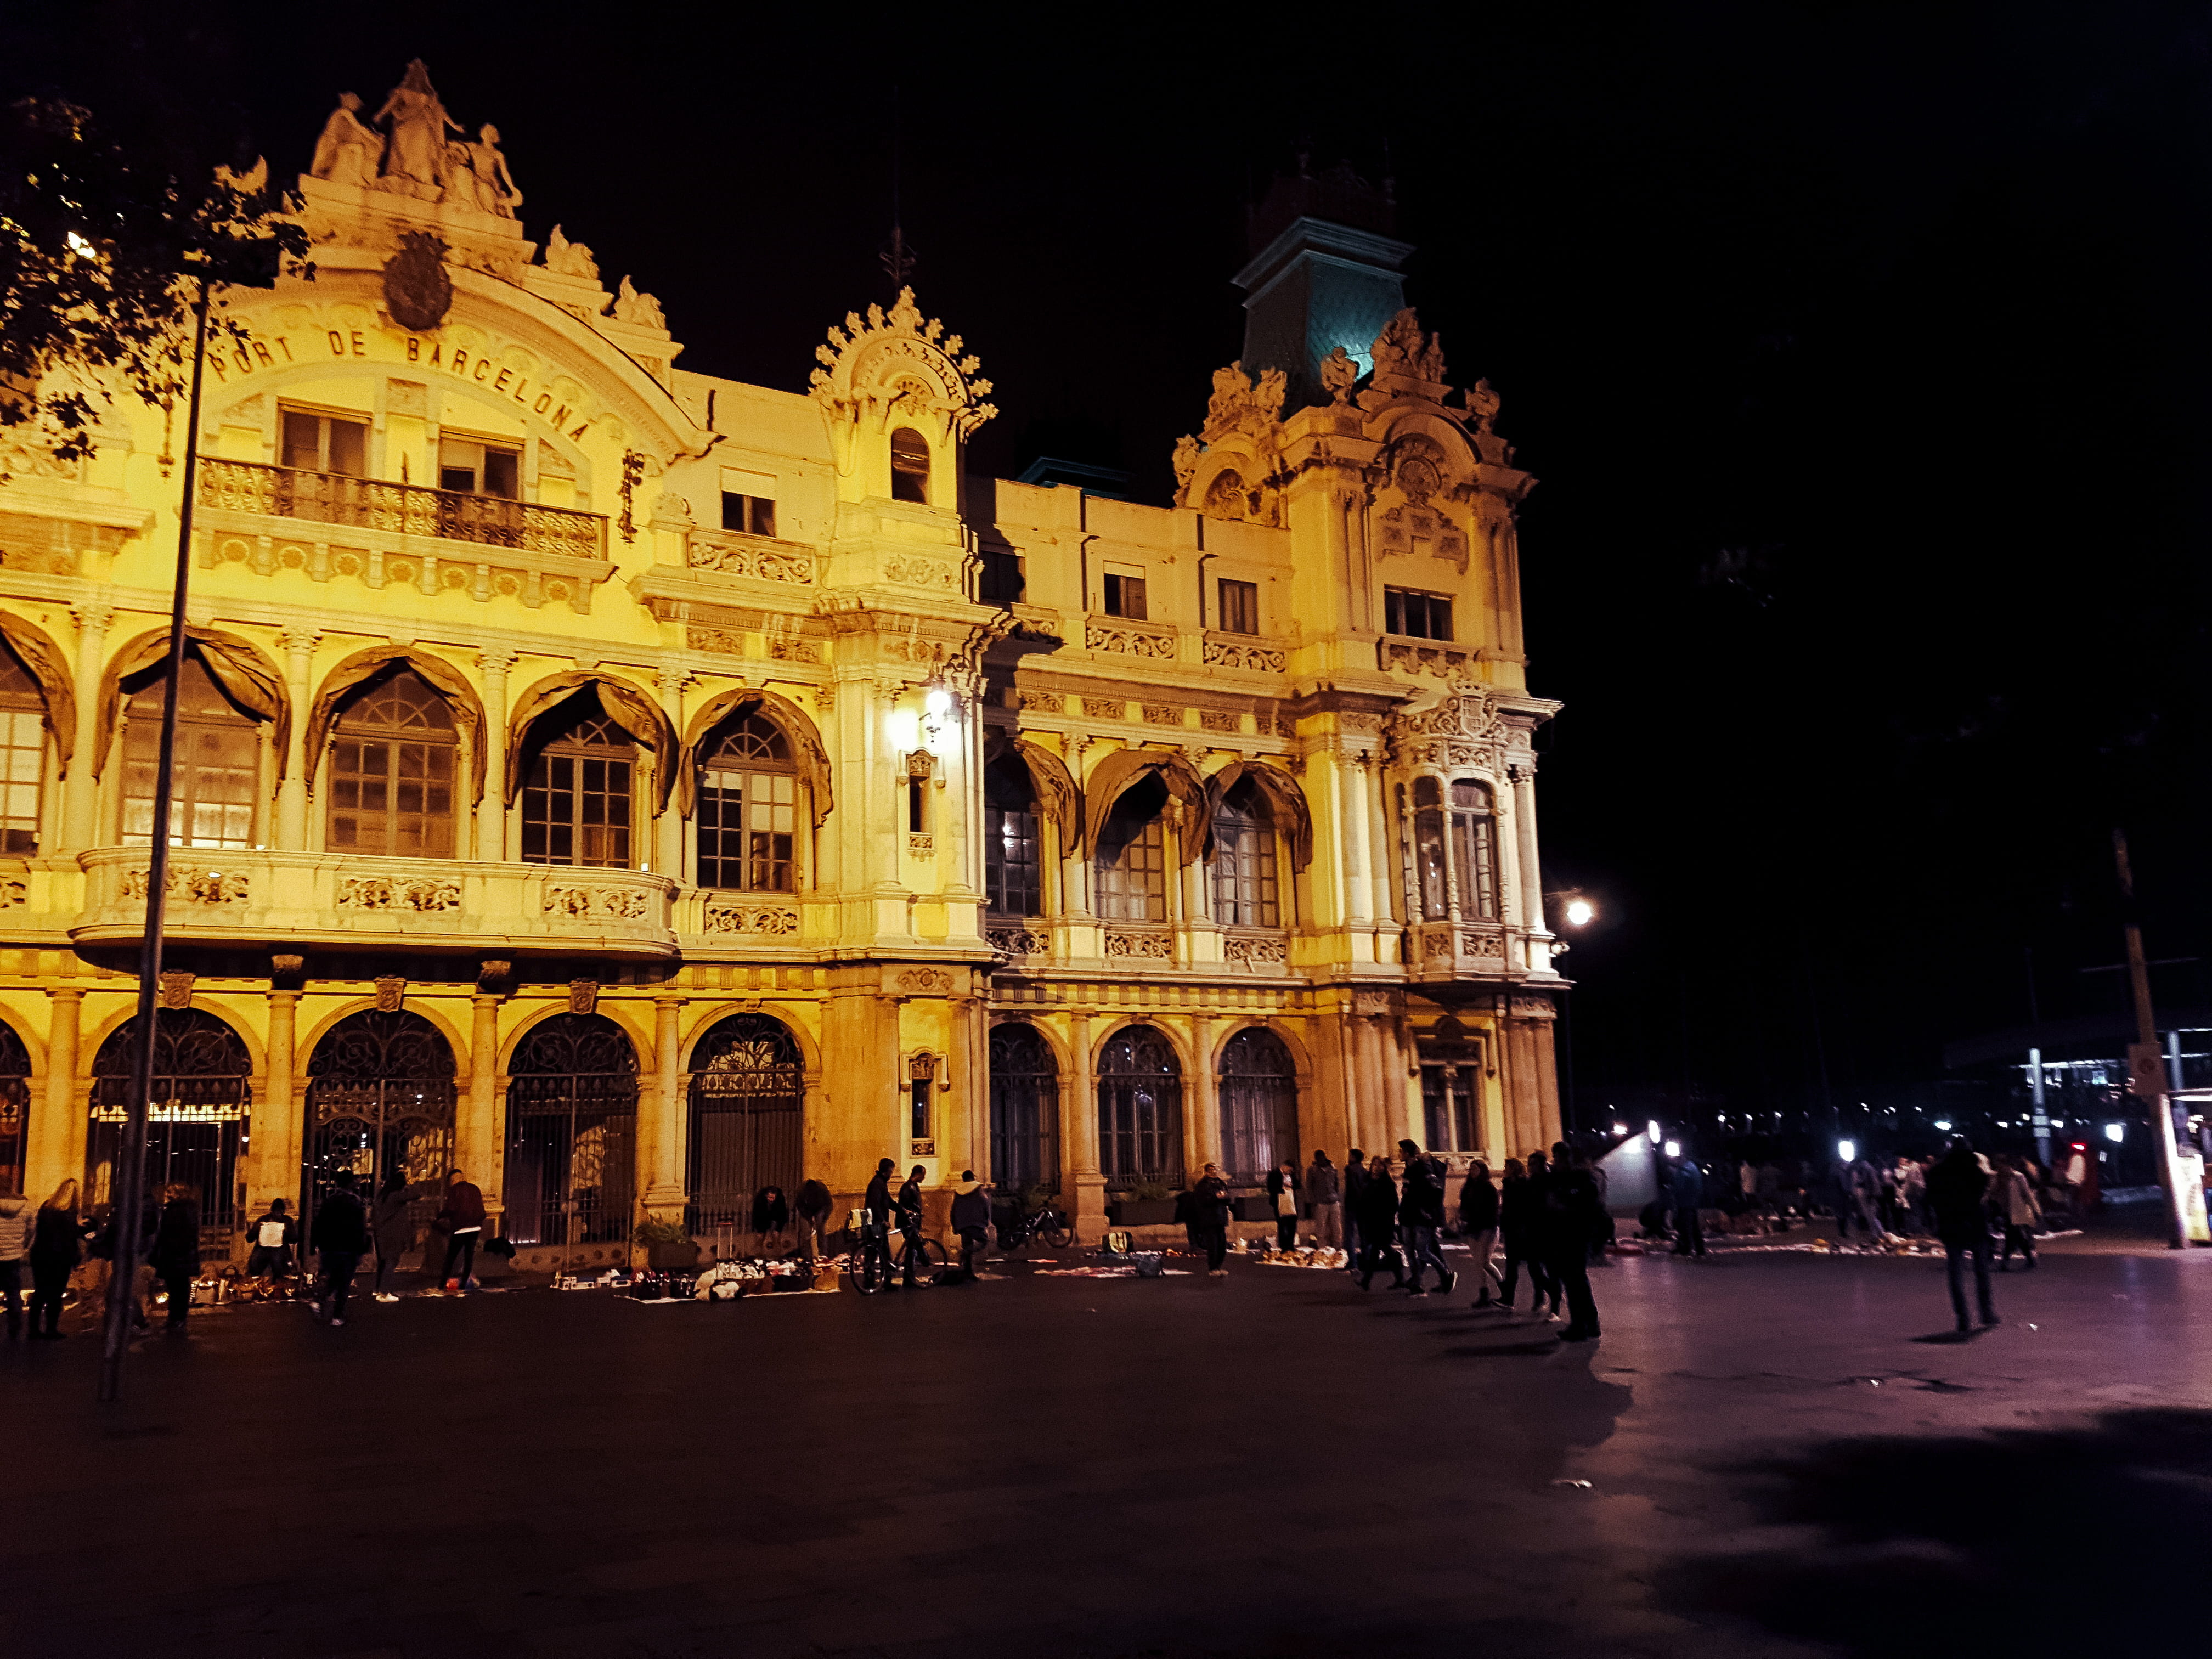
{"points": [[1211, 1199], [1478, 1218], [1282, 1199], [340, 1238], [1957, 1189], [971, 1219], [1421, 1218], [274, 1236], [463, 1220]]}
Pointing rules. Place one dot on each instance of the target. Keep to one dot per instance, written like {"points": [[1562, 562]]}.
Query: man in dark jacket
{"points": [[1421, 1218], [1958, 1186], [1378, 1227], [1478, 1218], [340, 1237], [876, 1234], [175, 1256], [463, 1219], [1520, 1209], [814, 1207], [1325, 1193], [1689, 1195], [1210, 1199], [1574, 1219], [1355, 1182], [971, 1219]]}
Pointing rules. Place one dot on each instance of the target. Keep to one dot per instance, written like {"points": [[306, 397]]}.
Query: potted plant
{"points": [[1148, 1204], [668, 1247]]}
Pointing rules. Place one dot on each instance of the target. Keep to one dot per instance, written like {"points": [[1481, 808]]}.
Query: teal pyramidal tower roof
{"points": [[1325, 272]]}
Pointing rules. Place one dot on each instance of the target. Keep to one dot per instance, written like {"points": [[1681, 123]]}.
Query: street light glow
{"points": [[2116, 1132], [1674, 1149], [1652, 1129], [1944, 1124], [1579, 912], [1847, 1150], [1620, 1128]]}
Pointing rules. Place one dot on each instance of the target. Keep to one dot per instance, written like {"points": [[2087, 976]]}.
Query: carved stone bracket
{"points": [[176, 989], [583, 996], [391, 993]]}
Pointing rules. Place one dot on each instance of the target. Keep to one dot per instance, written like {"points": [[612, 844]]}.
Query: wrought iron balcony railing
{"points": [[403, 509]]}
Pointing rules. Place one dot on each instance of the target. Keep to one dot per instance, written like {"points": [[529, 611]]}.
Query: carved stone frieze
{"points": [[194, 886], [1161, 713], [14, 893], [624, 904], [924, 982], [1129, 641], [912, 572], [726, 915], [740, 555], [1250, 951], [1220, 719], [1224, 653], [1149, 947], [922, 845], [1018, 941], [1105, 708], [421, 893]]}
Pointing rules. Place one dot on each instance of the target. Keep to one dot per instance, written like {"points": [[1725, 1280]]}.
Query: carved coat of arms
{"points": [[417, 290]]}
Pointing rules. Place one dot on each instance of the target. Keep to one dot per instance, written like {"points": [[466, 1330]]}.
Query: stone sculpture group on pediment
{"points": [[416, 158]]}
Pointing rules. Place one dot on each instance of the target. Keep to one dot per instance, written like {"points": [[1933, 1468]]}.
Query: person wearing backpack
{"points": [[274, 1235], [340, 1237]]}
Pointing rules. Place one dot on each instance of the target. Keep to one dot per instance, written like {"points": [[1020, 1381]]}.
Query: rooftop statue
{"points": [[414, 159], [347, 152], [642, 309], [480, 170], [1339, 373], [566, 259]]}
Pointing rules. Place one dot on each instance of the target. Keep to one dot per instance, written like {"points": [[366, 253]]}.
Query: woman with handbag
{"points": [[1282, 1196]]}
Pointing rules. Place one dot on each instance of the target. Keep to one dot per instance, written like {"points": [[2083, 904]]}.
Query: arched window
{"points": [[571, 1137], [217, 761], [380, 1099], [391, 771], [1259, 1105], [202, 1095], [910, 466], [1132, 863], [1451, 1099], [1429, 877], [1244, 888], [14, 1108], [748, 1088], [1140, 1110], [1012, 876], [748, 809], [576, 789], [1024, 1110], [22, 756], [1474, 851]]}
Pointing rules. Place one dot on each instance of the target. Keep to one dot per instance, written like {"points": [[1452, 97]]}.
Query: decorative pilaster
{"points": [[55, 1150], [662, 1133], [1079, 1135], [292, 793], [277, 1128], [1532, 872], [668, 828], [476, 1148], [491, 812], [80, 793], [1201, 1120], [1351, 769]]}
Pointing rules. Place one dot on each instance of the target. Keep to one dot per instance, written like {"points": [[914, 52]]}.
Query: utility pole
{"points": [[131, 1161], [2146, 1072]]}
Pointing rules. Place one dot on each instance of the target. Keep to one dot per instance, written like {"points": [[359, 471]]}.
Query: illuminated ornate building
{"points": [[636, 786]]}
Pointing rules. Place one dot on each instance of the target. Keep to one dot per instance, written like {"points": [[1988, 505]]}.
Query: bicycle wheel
{"points": [[929, 1259], [1057, 1237], [857, 1276]]}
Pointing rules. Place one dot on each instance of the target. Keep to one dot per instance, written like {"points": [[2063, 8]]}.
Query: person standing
{"points": [[274, 1235], [1478, 1217], [909, 1222], [1958, 1192], [1211, 1197], [1421, 1218], [1574, 1218], [392, 1226], [876, 1228], [1355, 1182], [1283, 1197], [971, 1219], [814, 1207], [1325, 1197], [56, 1245], [2013, 1194], [1522, 1226], [175, 1256], [1689, 1196], [1378, 1227], [339, 1238], [19, 1220], [463, 1219]]}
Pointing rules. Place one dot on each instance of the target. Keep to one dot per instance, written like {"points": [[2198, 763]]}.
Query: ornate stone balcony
{"points": [[347, 900], [274, 518], [1464, 950]]}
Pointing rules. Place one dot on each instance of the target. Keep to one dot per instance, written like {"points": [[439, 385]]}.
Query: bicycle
{"points": [[1047, 1224]]}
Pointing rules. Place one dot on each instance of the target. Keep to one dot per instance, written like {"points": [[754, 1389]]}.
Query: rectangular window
{"points": [[1011, 883], [575, 810], [1450, 1108], [746, 829], [1133, 883], [325, 443], [749, 502], [23, 764], [470, 468], [1240, 607], [1428, 863], [211, 799], [1125, 595], [390, 796], [1419, 615], [1244, 886], [921, 1108], [1475, 853]]}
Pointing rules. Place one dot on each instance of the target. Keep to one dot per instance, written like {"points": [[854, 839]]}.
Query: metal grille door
{"points": [[380, 1095], [747, 1116], [1140, 1110], [202, 1095], [572, 1135], [1024, 1111], [1259, 1106]]}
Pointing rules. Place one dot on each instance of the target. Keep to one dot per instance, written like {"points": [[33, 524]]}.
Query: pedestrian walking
{"points": [[392, 1227], [909, 1222], [1210, 1198], [1689, 1195], [57, 1246], [1378, 1227], [462, 1221], [1574, 1217], [274, 1235], [175, 1256], [1958, 1191], [1421, 1218], [1283, 1197], [1325, 1198], [971, 1219], [876, 1232], [1520, 1222], [814, 1207], [1478, 1218], [1355, 1181], [2012, 1195], [340, 1238], [19, 1221]]}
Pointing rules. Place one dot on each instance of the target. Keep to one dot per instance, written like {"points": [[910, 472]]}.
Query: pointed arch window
{"points": [[391, 771], [1246, 893], [748, 813], [1014, 883], [577, 788], [1132, 864], [22, 756], [217, 761], [910, 466]]}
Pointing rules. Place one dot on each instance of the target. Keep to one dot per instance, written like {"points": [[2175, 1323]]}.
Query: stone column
{"points": [[962, 1128], [56, 1142], [1378, 1123], [477, 1148], [491, 815], [668, 842], [1531, 869], [662, 1133], [81, 790], [1201, 1117], [1350, 768], [1511, 910], [276, 1135], [1087, 1203], [292, 794]]}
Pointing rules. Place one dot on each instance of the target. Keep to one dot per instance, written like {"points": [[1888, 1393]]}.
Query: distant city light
{"points": [[1944, 1124], [78, 246], [2116, 1132], [1847, 1150], [1620, 1128], [1674, 1149], [1579, 912], [1652, 1129]]}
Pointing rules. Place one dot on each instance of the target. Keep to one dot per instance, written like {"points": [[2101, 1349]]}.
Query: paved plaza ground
{"points": [[1768, 1452]]}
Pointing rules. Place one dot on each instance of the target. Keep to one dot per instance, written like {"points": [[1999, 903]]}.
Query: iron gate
{"points": [[1259, 1106], [572, 1135], [1024, 1110], [747, 1112], [381, 1097], [202, 1097], [1140, 1110], [14, 1108]]}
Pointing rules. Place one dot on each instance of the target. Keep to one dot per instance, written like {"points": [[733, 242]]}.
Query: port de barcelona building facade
{"points": [[635, 787]]}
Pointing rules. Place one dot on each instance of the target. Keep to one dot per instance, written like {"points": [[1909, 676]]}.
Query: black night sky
{"points": [[1859, 349]]}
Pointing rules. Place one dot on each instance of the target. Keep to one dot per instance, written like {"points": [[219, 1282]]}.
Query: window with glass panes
{"points": [[391, 772], [1244, 890], [325, 443], [576, 797], [910, 466], [1421, 616], [1429, 879], [1012, 880], [1451, 1099], [1474, 851], [1132, 864], [218, 758], [749, 810], [1240, 607], [22, 756]]}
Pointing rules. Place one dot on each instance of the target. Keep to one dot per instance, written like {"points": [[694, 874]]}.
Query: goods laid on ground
{"points": [[1308, 1256]]}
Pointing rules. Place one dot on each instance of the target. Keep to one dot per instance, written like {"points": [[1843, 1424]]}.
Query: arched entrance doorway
{"points": [[1139, 1111], [202, 1097], [572, 1135], [1259, 1105], [1024, 1110], [14, 1108], [379, 1098], [748, 1088]]}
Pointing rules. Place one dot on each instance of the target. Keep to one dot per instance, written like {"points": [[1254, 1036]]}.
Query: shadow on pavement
{"points": [[2080, 1541]]}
